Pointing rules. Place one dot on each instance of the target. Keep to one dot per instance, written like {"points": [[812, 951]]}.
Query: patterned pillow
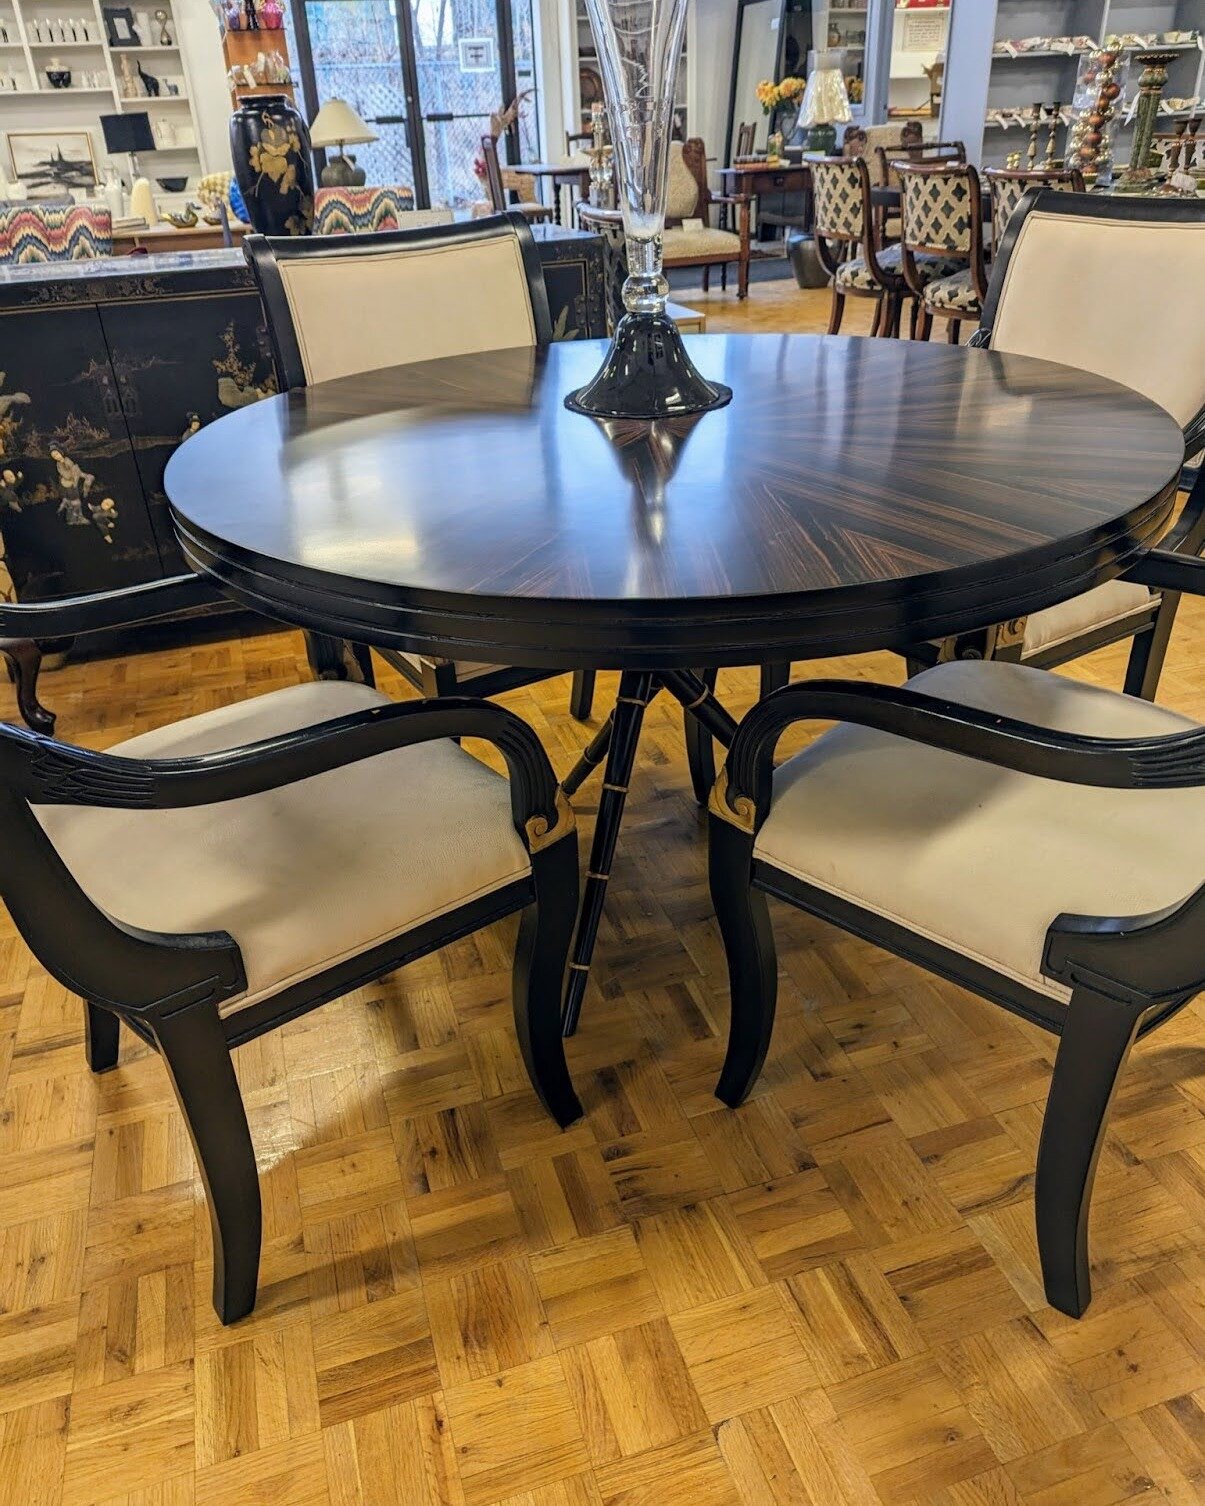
{"points": [[348, 211], [54, 232]]}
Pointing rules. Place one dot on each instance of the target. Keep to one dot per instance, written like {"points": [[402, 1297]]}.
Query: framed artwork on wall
{"points": [[52, 164]]}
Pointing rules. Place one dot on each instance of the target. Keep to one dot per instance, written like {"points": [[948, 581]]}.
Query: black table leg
{"points": [[636, 690], [700, 753]]}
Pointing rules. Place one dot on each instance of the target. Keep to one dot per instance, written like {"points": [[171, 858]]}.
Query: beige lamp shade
{"points": [[825, 101], [337, 124]]}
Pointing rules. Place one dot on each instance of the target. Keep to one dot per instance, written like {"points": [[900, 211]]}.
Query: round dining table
{"points": [[855, 494]]}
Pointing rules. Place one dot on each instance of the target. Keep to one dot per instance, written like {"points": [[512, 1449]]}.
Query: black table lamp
{"points": [[128, 134]]}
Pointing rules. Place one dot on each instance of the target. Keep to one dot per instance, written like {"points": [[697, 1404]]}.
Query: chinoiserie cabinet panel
{"points": [[72, 508], [179, 363]]}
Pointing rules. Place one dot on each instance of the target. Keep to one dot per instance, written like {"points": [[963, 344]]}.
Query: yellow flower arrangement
{"points": [[772, 96]]}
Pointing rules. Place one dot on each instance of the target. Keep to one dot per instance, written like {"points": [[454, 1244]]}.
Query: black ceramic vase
{"points": [[270, 146]]}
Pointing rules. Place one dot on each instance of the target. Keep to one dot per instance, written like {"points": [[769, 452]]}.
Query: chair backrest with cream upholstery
{"points": [[344, 304], [1075, 280], [686, 189]]}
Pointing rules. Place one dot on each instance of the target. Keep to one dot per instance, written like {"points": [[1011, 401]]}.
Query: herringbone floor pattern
{"points": [[828, 1297]]}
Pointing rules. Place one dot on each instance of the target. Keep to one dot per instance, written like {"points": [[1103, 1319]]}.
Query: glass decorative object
{"points": [[647, 372]]}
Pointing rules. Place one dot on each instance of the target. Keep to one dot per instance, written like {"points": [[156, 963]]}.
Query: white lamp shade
{"points": [[825, 101], [337, 124]]}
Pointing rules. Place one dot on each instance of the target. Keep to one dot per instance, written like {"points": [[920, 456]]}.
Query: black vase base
{"points": [[647, 374]]}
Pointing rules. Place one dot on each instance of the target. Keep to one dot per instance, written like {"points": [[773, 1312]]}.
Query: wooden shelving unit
{"points": [[242, 48], [32, 32]]}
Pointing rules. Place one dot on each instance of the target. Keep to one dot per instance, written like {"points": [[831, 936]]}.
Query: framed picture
{"points": [[52, 164], [119, 25]]}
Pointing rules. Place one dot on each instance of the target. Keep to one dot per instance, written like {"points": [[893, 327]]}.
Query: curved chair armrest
{"points": [[71, 616], [730, 198], [742, 792], [1166, 571], [50, 773]]}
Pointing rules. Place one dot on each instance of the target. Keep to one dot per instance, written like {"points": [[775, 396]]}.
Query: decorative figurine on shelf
{"points": [[165, 36], [271, 15], [186, 219], [149, 82], [1139, 176], [251, 21], [57, 76], [234, 15], [774, 148]]}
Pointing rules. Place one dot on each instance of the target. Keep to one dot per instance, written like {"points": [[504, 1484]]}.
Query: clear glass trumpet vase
{"points": [[647, 372]]}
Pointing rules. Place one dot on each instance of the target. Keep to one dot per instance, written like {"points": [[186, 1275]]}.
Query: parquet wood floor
{"points": [[828, 1298]]}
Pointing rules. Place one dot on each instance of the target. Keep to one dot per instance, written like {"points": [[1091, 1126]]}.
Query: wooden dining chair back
{"points": [[845, 242], [341, 305], [689, 197], [1007, 186], [501, 182], [1026, 836], [1065, 259], [887, 154], [942, 217], [210, 881], [746, 137]]}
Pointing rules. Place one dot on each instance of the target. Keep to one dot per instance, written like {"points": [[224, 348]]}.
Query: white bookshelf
{"points": [[72, 32]]}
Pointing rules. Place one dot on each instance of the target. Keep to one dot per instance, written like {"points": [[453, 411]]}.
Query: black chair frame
{"points": [[1150, 627], [1127, 975], [168, 988], [433, 676]]}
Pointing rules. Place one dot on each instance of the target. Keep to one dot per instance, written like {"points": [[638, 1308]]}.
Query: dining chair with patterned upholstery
{"points": [[885, 145], [1029, 837], [1007, 186], [845, 243], [942, 222], [209, 881], [342, 305], [1063, 259]]}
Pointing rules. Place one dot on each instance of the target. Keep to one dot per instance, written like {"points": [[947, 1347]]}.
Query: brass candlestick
{"points": [[1139, 176], [1054, 127], [1035, 124]]}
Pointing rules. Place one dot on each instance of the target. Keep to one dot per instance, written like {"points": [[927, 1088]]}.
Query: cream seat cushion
{"points": [[1103, 605], [678, 243], [681, 189], [311, 873], [974, 856]]}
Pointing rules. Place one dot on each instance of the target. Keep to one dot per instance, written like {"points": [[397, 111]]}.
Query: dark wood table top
{"points": [[855, 494]]}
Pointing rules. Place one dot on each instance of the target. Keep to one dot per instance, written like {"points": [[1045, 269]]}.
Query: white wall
{"points": [[712, 43]]}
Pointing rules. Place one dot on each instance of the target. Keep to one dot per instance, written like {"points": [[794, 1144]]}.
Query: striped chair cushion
{"points": [[348, 211], [54, 232]]}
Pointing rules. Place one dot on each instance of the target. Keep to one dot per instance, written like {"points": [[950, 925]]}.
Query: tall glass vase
{"points": [[647, 373]]}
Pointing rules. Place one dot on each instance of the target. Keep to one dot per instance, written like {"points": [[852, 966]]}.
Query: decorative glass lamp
{"points": [[825, 102], [647, 373], [337, 124]]}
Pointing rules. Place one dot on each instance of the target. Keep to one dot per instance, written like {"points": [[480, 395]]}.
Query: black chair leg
{"points": [[336, 659], [700, 749], [1149, 649], [774, 677], [744, 920], [581, 697], [194, 1050], [1093, 1048], [24, 661], [913, 316], [541, 953], [102, 1030], [953, 331]]}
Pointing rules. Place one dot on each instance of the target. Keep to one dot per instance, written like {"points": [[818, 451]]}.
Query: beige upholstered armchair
{"points": [[1030, 837], [688, 197], [1071, 281]]}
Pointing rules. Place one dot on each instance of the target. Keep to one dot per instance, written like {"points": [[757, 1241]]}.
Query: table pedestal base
{"points": [[617, 740]]}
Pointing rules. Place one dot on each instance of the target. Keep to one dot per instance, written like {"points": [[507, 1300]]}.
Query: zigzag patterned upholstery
{"points": [[937, 211], [349, 211], [54, 232]]}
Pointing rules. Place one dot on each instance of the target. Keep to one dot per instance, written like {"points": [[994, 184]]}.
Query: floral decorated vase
{"points": [[270, 146]]}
